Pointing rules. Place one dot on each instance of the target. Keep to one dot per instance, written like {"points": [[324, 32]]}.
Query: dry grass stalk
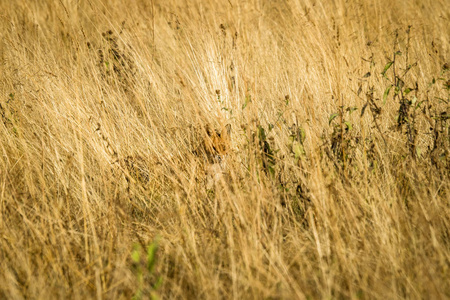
{"points": [[330, 179]]}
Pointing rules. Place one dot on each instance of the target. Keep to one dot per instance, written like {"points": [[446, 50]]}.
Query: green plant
{"points": [[407, 101], [144, 269], [295, 142], [343, 140], [440, 129]]}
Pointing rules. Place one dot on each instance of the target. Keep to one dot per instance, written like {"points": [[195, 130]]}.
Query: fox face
{"points": [[213, 147], [216, 143]]}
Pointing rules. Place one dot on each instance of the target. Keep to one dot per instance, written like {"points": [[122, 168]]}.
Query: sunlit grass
{"points": [[224, 149]]}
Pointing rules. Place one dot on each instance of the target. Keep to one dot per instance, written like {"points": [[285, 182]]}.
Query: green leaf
{"points": [[151, 255], [291, 140], [407, 91], [419, 152], [136, 253], [247, 100], [386, 94], [261, 133], [301, 135], [351, 109], [349, 125], [331, 118], [138, 295], [419, 104], [158, 283], [386, 67], [298, 150]]}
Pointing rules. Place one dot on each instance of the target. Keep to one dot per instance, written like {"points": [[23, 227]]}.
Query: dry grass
{"points": [[112, 119]]}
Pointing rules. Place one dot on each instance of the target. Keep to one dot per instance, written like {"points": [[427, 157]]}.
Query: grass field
{"points": [[224, 149]]}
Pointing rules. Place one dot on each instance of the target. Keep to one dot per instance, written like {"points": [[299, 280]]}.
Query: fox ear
{"points": [[228, 128], [209, 131]]}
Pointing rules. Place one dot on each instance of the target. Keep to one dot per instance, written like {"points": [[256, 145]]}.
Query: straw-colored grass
{"points": [[252, 142]]}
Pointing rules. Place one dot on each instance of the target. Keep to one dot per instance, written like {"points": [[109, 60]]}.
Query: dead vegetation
{"points": [[237, 149]]}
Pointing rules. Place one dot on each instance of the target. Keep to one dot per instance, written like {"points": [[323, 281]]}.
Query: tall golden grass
{"points": [[327, 186]]}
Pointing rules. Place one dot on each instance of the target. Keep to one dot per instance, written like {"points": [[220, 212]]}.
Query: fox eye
{"points": [[228, 128]]}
